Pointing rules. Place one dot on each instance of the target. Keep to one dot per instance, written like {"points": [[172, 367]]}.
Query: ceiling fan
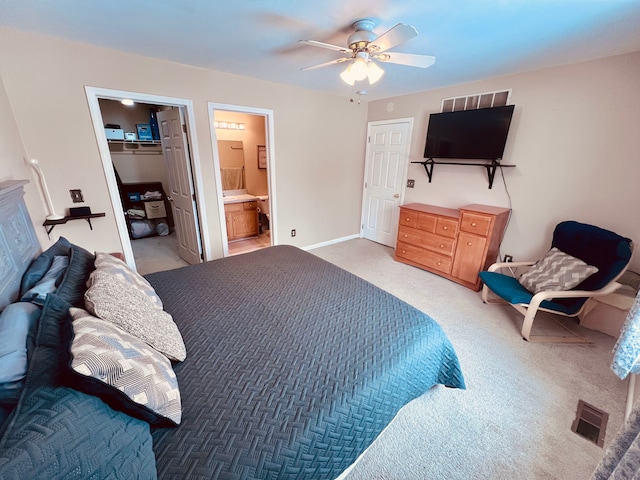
{"points": [[365, 47]]}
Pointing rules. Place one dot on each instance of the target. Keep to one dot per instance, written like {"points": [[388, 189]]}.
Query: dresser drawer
{"points": [[447, 227], [427, 222], [408, 218], [436, 243], [424, 257], [475, 223]]}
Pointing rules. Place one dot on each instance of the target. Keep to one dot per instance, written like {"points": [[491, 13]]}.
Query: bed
{"points": [[290, 368]]}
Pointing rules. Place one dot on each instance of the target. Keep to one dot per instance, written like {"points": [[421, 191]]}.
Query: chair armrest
{"points": [[606, 290], [499, 265]]}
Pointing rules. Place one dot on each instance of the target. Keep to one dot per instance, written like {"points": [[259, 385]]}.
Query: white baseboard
{"points": [[331, 242]]}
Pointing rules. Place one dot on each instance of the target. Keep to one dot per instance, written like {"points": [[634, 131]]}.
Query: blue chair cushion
{"points": [[509, 289]]}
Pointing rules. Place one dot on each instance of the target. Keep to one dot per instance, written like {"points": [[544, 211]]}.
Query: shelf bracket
{"points": [[490, 167], [491, 171], [428, 166]]}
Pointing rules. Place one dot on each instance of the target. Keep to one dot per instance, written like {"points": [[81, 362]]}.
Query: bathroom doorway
{"points": [[242, 145]]}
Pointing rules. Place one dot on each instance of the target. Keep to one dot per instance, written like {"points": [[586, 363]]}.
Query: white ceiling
{"points": [[471, 39]]}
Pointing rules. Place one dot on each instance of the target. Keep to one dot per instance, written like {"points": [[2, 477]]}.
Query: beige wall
{"points": [[319, 138], [13, 165], [575, 138]]}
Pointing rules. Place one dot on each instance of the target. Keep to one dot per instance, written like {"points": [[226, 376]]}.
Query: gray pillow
{"points": [[117, 301], [108, 263], [556, 271], [125, 372]]}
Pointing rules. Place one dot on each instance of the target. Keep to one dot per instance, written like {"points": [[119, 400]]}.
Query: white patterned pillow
{"points": [[117, 301], [106, 262], [556, 271], [124, 372]]}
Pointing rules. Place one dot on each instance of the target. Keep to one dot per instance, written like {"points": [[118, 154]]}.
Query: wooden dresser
{"points": [[454, 243]]}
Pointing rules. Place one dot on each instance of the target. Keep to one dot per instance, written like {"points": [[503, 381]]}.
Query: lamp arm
{"points": [[45, 190]]}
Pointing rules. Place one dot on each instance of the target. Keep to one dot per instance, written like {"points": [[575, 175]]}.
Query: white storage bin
{"points": [[155, 209]]}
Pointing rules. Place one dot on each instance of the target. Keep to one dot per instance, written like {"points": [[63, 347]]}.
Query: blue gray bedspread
{"points": [[293, 367]]}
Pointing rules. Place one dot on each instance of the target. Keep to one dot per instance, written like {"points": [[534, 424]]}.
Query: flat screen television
{"points": [[469, 134]]}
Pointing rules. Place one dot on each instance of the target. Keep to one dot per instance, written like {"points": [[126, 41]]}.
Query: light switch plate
{"points": [[76, 196]]}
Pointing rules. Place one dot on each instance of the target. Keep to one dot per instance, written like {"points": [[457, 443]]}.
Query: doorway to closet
{"points": [[150, 174]]}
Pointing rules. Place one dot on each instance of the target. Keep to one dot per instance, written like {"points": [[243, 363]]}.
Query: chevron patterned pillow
{"points": [[556, 271], [123, 371]]}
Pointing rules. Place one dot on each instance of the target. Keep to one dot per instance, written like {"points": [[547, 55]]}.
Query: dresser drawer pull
{"points": [[469, 244], [441, 245], [444, 228], [439, 263], [404, 251], [408, 220], [406, 236], [474, 224]]}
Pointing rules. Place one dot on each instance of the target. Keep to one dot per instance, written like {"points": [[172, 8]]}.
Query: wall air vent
{"points": [[590, 423], [476, 100]]}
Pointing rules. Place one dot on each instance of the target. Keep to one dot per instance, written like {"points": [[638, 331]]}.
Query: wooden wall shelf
{"points": [[490, 165], [49, 225]]}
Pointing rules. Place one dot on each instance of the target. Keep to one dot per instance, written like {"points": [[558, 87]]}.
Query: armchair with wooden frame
{"points": [[609, 252]]}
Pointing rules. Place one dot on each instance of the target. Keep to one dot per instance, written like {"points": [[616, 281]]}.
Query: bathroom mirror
{"points": [[231, 164]]}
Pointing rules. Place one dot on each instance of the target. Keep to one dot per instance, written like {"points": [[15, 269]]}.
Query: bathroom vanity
{"points": [[241, 215]]}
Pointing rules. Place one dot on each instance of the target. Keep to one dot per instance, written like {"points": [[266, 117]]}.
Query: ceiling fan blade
{"points": [[314, 43], [409, 59], [392, 37], [332, 62]]}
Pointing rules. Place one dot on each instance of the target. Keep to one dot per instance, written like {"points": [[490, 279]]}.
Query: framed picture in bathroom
{"points": [[262, 156]]}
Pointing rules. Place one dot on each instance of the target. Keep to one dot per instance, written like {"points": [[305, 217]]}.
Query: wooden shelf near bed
{"points": [[51, 224], [454, 243]]}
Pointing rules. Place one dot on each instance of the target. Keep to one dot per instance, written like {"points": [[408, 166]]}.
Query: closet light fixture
{"points": [[229, 125], [127, 101]]}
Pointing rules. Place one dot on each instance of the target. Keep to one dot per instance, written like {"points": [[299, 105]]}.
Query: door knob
{"points": [[170, 199], [397, 195]]}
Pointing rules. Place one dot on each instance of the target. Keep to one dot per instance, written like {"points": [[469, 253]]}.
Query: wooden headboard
{"points": [[18, 242]]}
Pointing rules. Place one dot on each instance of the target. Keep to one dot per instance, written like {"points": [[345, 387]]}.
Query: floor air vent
{"points": [[590, 423]]}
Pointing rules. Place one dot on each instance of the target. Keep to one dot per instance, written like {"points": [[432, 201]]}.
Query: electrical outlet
{"points": [[508, 258], [411, 183], [293, 232]]}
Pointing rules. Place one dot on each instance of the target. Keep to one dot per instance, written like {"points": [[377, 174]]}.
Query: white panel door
{"points": [[386, 169], [182, 195]]}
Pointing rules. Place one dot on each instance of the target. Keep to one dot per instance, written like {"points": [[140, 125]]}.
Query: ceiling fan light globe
{"points": [[374, 73], [359, 69], [347, 77]]}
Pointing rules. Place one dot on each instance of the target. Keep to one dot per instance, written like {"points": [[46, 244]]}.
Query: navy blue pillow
{"points": [[56, 432], [42, 263], [73, 285], [47, 284]]}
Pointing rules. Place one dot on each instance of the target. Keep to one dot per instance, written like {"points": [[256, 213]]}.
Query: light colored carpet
{"points": [[156, 254], [514, 419]]}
